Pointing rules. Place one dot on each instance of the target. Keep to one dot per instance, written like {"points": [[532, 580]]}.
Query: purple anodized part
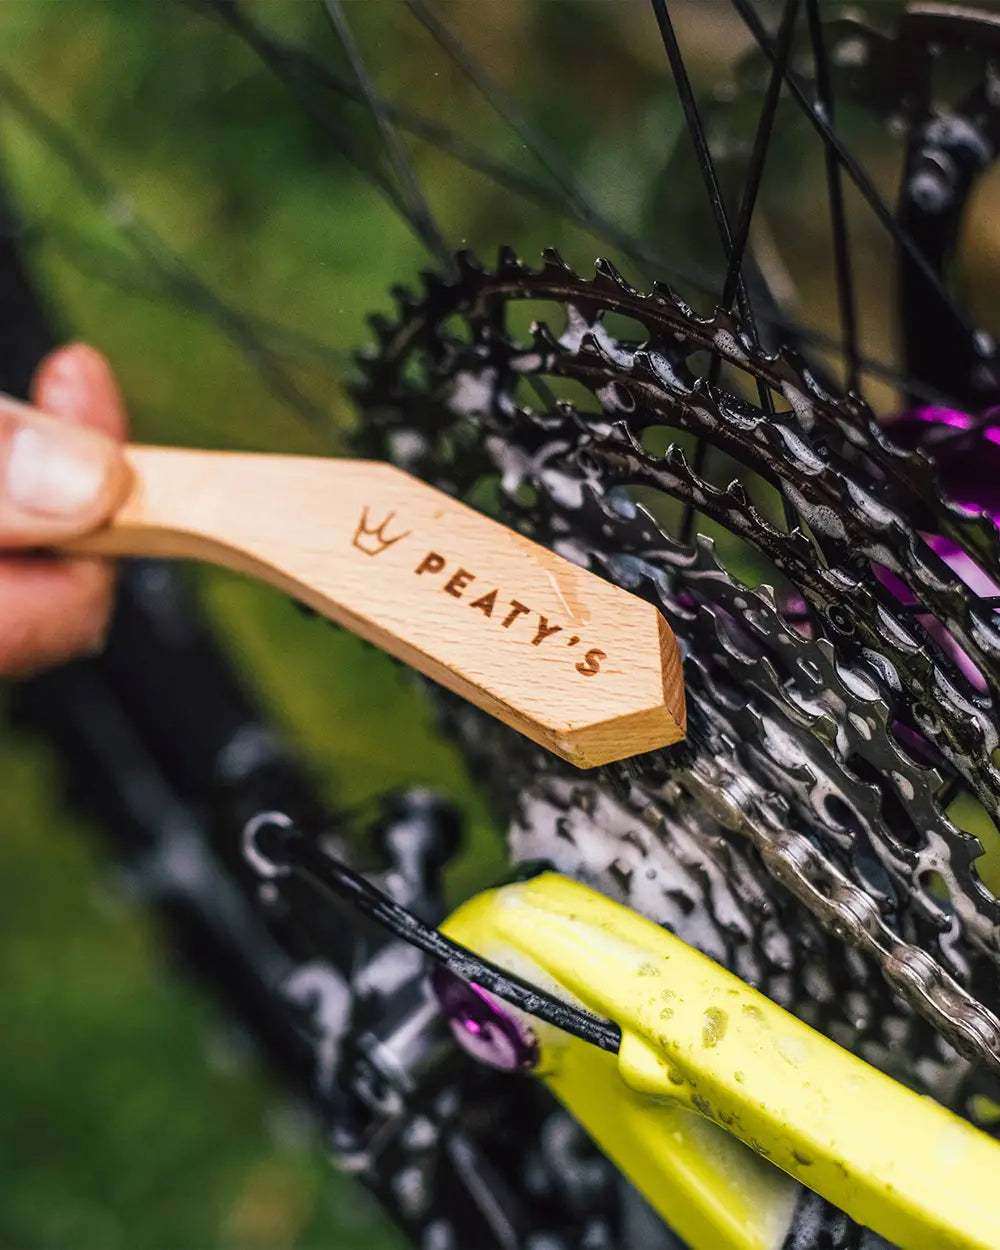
{"points": [[969, 470], [482, 1026], [969, 467]]}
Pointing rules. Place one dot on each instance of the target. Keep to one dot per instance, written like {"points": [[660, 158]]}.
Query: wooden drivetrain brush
{"points": [[578, 665]]}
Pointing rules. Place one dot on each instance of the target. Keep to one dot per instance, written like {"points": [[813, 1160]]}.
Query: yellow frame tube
{"points": [[701, 1051]]}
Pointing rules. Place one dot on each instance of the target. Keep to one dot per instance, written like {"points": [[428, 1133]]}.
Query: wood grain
{"points": [[575, 663]]}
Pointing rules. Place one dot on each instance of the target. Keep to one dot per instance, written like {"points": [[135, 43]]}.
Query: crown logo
{"points": [[372, 540]]}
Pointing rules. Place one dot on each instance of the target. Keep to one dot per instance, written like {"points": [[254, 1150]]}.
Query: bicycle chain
{"points": [[792, 743]]}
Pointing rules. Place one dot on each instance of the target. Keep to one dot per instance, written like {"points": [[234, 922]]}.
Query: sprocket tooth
{"points": [[405, 300], [734, 344], [646, 369], [553, 263], [542, 337], [590, 345], [434, 284], [381, 327], [607, 277], [663, 293], [508, 262], [704, 545], [469, 265], [622, 432], [366, 359], [725, 320], [736, 490], [676, 458]]}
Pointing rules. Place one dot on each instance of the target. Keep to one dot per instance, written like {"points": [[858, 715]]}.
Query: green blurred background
{"points": [[131, 1117]]}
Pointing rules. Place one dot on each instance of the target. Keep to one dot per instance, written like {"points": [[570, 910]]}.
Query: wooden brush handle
{"points": [[573, 662]]}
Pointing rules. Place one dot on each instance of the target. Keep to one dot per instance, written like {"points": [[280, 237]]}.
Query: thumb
{"points": [[57, 479]]}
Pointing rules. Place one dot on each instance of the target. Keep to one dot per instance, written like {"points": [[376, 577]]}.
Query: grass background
{"points": [[130, 1116]]}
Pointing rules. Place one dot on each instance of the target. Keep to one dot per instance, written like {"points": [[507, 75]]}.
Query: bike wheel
{"points": [[567, 404]]}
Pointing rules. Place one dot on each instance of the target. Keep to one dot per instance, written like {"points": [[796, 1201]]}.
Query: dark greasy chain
{"points": [[795, 748]]}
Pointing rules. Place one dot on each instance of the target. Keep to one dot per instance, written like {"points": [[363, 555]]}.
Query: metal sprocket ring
{"points": [[792, 743]]}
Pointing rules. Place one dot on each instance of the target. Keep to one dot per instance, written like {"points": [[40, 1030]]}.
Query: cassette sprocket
{"points": [[801, 834]]}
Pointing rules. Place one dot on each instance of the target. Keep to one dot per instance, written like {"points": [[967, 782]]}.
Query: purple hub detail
{"points": [[969, 470], [482, 1026]]}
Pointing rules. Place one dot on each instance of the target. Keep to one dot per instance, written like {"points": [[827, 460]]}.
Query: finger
{"points": [[52, 610], [57, 478], [76, 383]]}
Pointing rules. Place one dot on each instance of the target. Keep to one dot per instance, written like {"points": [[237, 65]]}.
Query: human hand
{"points": [[59, 477]]}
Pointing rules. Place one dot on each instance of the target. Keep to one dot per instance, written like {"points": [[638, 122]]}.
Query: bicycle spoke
{"points": [[110, 265], [902, 238], [699, 461], [441, 137], [755, 172], [696, 132], [544, 152], [713, 190], [274, 54], [504, 175], [419, 209], [651, 262], [582, 212], [835, 194], [245, 330], [158, 255], [761, 144]]}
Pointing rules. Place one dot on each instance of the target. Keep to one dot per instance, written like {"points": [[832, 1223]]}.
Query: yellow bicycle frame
{"points": [[719, 1102]]}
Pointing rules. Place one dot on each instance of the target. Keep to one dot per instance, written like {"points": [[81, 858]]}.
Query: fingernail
{"points": [[56, 474], [65, 382]]}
